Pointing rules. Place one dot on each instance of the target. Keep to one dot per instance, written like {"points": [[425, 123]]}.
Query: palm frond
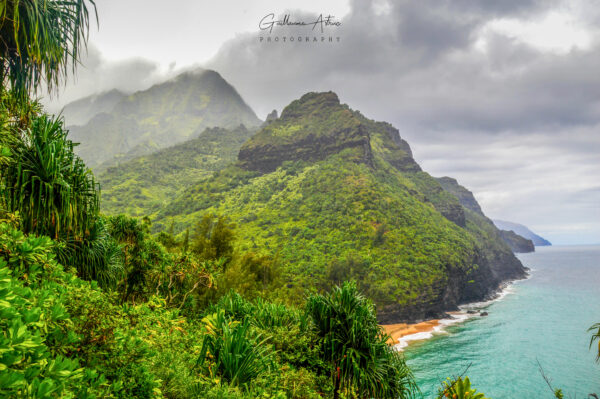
{"points": [[41, 40]]}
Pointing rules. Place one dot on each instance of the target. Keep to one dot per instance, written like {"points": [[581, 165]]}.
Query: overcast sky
{"points": [[502, 95]]}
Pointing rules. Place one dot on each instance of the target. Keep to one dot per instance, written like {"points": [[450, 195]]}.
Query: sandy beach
{"points": [[397, 331]]}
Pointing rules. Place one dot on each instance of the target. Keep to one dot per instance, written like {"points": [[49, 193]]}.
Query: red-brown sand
{"points": [[397, 331]]}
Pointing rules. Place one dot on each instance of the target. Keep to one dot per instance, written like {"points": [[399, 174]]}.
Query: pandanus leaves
{"points": [[50, 187], [41, 40], [355, 346]]}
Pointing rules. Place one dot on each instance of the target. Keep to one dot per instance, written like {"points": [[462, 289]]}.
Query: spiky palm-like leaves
{"points": [[460, 389], [39, 39], [595, 329], [355, 346], [238, 356], [51, 188], [97, 256], [55, 194], [141, 256]]}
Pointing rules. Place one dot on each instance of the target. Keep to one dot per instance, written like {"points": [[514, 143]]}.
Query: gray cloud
{"points": [[418, 59], [97, 74], [516, 124]]}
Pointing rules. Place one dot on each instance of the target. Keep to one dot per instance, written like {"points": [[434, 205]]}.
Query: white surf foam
{"points": [[455, 317]]}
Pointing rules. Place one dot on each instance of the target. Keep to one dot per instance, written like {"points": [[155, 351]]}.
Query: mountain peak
{"points": [[316, 126], [207, 74], [310, 103], [165, 114], [310, 128]]}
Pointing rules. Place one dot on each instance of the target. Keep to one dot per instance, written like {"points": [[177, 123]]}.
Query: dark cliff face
{"points": [[309, 129], [316, 126], [496, 261], [464, 196], [517, 243]]}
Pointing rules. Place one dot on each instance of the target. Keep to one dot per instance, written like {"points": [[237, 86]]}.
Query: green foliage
{"points": [[97, 256], [459, 389], [36, 327], [355, 346], [234, 305], [329, 212], [238, 357], [351, 267], [185, 281], [143, 185], [39, 39], [213, 238], [53, 191], [49, 190], [269, 315], [139, 255], [252, 275]]}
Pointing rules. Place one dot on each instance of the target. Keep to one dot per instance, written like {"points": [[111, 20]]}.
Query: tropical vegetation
{"points": [[206, 300], [342, 198]]}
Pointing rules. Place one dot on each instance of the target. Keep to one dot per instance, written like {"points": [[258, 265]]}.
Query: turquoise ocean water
{"points": [[543, 318]]}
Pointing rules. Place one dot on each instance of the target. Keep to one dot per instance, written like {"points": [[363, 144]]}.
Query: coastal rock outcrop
{"points": [[523, 231], [517, 243]]}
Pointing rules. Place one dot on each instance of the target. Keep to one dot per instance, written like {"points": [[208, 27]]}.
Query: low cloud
{"points": [[514, 122], [513, 118], [97, 74]]}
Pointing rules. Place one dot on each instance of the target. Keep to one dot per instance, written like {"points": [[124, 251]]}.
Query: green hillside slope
{"points": [[163, 115], [141, 186], [338, 196]]}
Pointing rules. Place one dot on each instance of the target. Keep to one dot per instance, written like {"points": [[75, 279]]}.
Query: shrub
{"points": [[238, 355], [37, 337], [459, 388], [356, 348]]}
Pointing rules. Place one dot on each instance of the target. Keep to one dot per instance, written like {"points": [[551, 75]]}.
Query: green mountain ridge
{"points": [[515, 242], [338, 196], [161, 116]]}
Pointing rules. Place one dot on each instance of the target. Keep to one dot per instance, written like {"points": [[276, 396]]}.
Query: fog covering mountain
{"points": [[161, 116], [336, 196], [523, 231], [79, 112]]}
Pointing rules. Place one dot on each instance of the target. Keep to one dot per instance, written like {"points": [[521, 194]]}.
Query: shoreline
{"points": [[402, 334]]}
